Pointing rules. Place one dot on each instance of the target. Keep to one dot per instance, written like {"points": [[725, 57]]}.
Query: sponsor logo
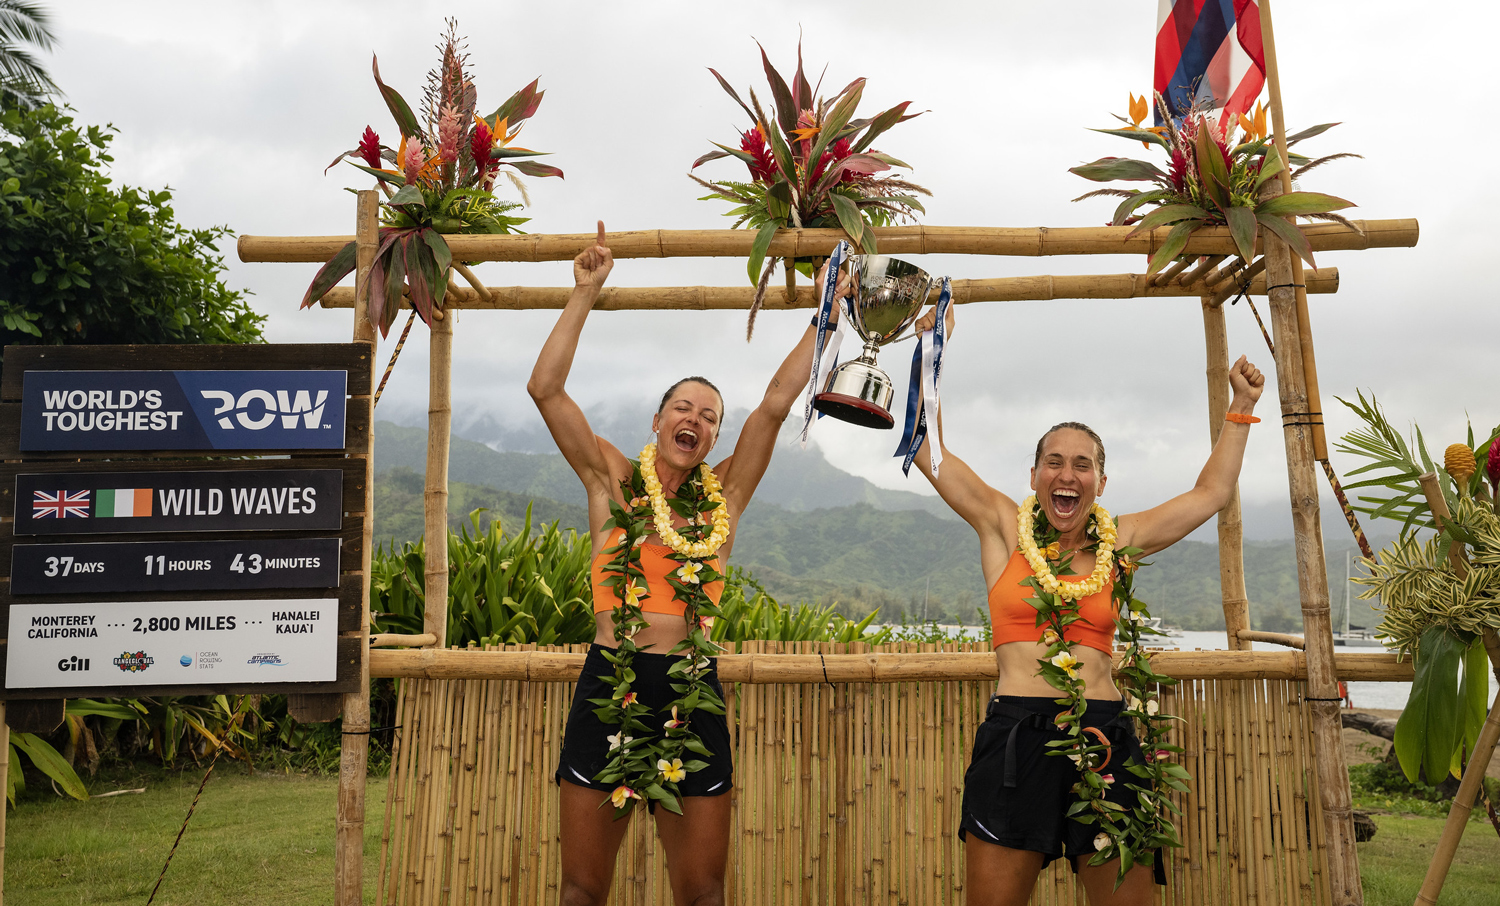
{"points": [[186, 660], [257, 409], [74, 664], [134, 661], [266, 660]]}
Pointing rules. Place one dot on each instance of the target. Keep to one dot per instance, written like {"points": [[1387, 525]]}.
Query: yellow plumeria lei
{"points": [[1133, 836], [644, 765], [1104, 563], [663, 512]]}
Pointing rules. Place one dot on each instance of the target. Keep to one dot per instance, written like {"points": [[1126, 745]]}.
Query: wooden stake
{"points": [[435, 496], [1231, 531], [1458, 813], [1312, 579], [4, 772], [354, 752]]}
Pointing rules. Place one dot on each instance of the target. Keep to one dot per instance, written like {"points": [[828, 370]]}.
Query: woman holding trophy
{"points": [[647, 722], [1057, 769]]}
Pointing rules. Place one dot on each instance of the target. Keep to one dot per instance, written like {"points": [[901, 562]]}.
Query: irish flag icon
{"points": [[122, 502]]}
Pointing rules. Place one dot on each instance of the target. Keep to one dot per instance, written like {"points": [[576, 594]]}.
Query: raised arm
{"points": [[570, 429], [752, 453], [990, 513], [1165, 525]]}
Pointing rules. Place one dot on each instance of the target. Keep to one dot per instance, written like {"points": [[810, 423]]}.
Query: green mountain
{"points": [[399, 507]]}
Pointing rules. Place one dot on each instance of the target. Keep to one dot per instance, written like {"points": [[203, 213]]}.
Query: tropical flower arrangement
{"points": [[1438, 602], [1212, 179], [440, 179], [1133, 836], [642, 763], [810, 166]]}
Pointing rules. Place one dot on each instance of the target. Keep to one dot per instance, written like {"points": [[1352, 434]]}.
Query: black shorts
{"points": [[1017, 795], [585, 750]]}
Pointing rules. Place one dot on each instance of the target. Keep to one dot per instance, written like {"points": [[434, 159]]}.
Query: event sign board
{"points": [[183, 410], [163, 643], [118, 502], [193, 565]]}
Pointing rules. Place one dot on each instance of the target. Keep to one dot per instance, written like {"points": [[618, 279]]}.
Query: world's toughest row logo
{"points": [[134, 661]]}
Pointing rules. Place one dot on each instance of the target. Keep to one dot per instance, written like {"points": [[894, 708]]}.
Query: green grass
{"points": [[1393, 864], [263, 839], [268, 839]]}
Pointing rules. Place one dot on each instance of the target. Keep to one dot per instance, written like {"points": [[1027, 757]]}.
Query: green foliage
{"points": [[85, 261], [751, 613], [23, 81], [400, 513]]}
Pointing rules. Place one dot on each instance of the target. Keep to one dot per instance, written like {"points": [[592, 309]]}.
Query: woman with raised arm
{"points": [[1058, 743], [647, 722]]}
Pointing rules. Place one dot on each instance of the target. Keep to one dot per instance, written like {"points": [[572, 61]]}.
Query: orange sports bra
{"points": [[1015, 621], [656, 566]]}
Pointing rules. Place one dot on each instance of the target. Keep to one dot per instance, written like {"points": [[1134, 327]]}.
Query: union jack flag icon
{"points": [[60, 505]]}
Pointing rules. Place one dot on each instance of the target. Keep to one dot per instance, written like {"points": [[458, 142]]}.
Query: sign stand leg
{"points": [[348, 870]]}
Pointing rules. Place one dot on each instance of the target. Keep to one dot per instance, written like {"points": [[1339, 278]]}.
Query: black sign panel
{"points": [[183, 410], [140, 566], [91, 503]]}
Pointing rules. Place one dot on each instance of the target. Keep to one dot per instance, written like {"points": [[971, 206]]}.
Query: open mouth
{"points": [[1065, 502], [686, 440]]}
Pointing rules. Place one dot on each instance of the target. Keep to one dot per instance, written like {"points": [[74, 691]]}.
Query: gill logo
{"points": [[286, 405]]}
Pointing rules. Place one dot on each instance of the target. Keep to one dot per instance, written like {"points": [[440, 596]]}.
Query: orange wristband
{"points": [[1240, 419]]}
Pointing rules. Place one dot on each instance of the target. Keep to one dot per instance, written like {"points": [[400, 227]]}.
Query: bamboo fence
{"points": [[845, 792]]}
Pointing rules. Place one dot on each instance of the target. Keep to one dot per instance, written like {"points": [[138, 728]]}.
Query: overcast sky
{"points": [[238, 108]]}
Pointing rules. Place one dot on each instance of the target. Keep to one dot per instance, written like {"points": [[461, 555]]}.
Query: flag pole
{"points": [[1296, 377]]}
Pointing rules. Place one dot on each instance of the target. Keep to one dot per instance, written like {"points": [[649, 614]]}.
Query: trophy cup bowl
{"points": [[888, 295]]}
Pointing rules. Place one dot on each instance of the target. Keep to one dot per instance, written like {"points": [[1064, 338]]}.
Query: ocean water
{"points": [[1388, 695]]}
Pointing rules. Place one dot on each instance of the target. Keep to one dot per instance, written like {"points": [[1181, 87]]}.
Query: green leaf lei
{"points": [[1133, 835], [641, 764]]}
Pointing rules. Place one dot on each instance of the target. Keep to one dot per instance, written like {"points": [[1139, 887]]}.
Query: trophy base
{"points": [[854, 410]]}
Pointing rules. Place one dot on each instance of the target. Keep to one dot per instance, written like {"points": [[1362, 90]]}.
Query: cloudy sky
{"points": [[238, 108]]}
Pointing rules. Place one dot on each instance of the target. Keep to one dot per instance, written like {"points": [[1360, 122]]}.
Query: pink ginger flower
{"points": [[369, 148], [413, 160], [448, 135]]}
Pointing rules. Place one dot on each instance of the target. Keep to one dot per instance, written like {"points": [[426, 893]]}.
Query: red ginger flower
{"points": [[369, 148], [480, 143], [752, 142], [1492, 464]]}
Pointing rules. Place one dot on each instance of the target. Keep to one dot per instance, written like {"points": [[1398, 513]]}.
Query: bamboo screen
{"points": [[844, 794]]}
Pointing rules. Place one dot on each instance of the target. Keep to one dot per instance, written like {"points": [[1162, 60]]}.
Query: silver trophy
{"points": [[888, 295]]}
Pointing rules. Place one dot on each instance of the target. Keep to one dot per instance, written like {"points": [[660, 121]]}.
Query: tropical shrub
{"points": [[1437, 604]]}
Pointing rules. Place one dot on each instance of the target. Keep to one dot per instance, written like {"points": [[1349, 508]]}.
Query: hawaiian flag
{"points": [[1208, 55], [60, 505]]}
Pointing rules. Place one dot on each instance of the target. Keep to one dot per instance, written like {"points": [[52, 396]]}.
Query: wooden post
{"points": [[439, 427], [4, 772], [1312, 578], [349, 842], [1231, 530]]}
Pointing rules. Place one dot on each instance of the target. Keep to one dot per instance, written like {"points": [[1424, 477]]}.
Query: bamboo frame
{"points": [[706, 298], [1026, 242], [753, 668], [1273, 638], [402, 640], [1235, 600], [435, 491]]}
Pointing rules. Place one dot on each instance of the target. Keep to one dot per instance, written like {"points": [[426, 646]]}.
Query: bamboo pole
{"points": [[1191, 277], [716, 298], [402, 640], [354, 752], [1250, 276], [1169, 273], [1236, 601], [435, 496], [1026, 242], [1304, 324], [1312, 578], [1274, 638], [880, 668]]}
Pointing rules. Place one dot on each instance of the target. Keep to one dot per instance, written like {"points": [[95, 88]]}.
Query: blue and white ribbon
{"points": [[825, 348], [922, 395]]}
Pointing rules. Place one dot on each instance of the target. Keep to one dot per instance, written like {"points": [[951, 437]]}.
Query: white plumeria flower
{"points": [[1134, 703], [1101, 842], [619, 740], [1067, 662], [688, 572], [1152, 707]]}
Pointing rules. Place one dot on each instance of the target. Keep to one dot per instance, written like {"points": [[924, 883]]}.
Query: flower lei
{"points": [[643, 766], [1134, 836]]}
